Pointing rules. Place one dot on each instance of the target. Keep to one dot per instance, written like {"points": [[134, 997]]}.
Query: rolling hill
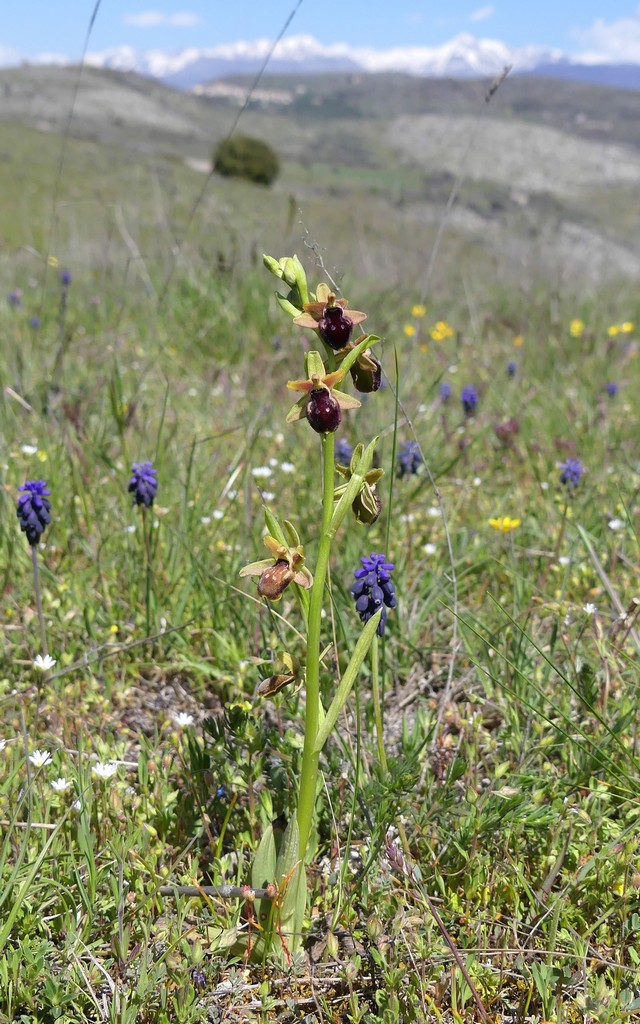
{"points": [[546, 175]]}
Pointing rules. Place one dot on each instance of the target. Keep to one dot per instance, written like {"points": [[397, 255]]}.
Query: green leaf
{"points": [[348, 679], [263, 872], [290, 873]]}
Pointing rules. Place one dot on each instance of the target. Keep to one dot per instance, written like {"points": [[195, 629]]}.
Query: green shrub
{"points": [[242, 156]]}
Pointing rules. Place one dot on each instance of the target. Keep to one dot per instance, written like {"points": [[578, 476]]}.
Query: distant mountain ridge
{"points": [[464, 56]]}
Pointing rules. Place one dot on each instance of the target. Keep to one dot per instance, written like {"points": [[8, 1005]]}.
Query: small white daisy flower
{"points": [[590, 609], [564, 560], [287, 467], [273, 463], [40, 758], [261, 472], [205, 520], [433, 511], [77, 805], [29, 449], [60, 785], [104, 770], [43, 663], [130, 529], [616, 524], [268, 495], [429, 549], [217, 514], [183, 719]]}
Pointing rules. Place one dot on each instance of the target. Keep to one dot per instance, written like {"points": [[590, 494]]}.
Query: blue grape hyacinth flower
{"points": [[570, 473], [374, 588], [409, 458], [469, 399], [343, 451], [445, 390], [143, 484], [612, 389], [34, 509], [512, 368]]}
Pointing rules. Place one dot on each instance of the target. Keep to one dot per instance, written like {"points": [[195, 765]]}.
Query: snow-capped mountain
{"points": [[462, 57], [465, 56]]}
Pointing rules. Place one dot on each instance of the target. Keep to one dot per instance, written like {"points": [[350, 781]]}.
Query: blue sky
{"points": [[39, 26]]}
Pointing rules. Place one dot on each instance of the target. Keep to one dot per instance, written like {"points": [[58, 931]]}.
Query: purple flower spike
{"points": [[34, 511], [409, 459], [570, 473], [612, 389], [445, 391], [143, 484], [512, 369], [374, 589], [469, 399], [14, 298], [343, 451], [65, 278]]}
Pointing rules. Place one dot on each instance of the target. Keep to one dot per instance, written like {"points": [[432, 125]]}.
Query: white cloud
{"points": [[611, 41], [482, 13], [152, 19]]}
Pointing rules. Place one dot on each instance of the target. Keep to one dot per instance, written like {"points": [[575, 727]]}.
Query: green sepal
{"points": [[313, 365], [345, 401], [296, 412], [253, 568], [273, 526], [292, 534]]}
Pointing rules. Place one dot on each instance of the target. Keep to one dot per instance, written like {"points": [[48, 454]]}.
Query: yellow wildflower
{"points": [[441, 330], [576, 328], [613, 330], [418, 309], [53, 261], [409, 330], [518, 341], [627, 327], [504, 523]]}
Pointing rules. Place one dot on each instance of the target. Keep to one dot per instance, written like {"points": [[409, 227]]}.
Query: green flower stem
{"points": [[309, 773], [147, 527], [561, 531], [377, 704], [36, 587]]}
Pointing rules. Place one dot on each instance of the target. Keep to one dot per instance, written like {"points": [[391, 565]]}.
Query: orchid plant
{"points": [[321, 404]]}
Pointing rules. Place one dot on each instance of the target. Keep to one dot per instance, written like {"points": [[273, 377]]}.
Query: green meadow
{"points": [[473, 852]]}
